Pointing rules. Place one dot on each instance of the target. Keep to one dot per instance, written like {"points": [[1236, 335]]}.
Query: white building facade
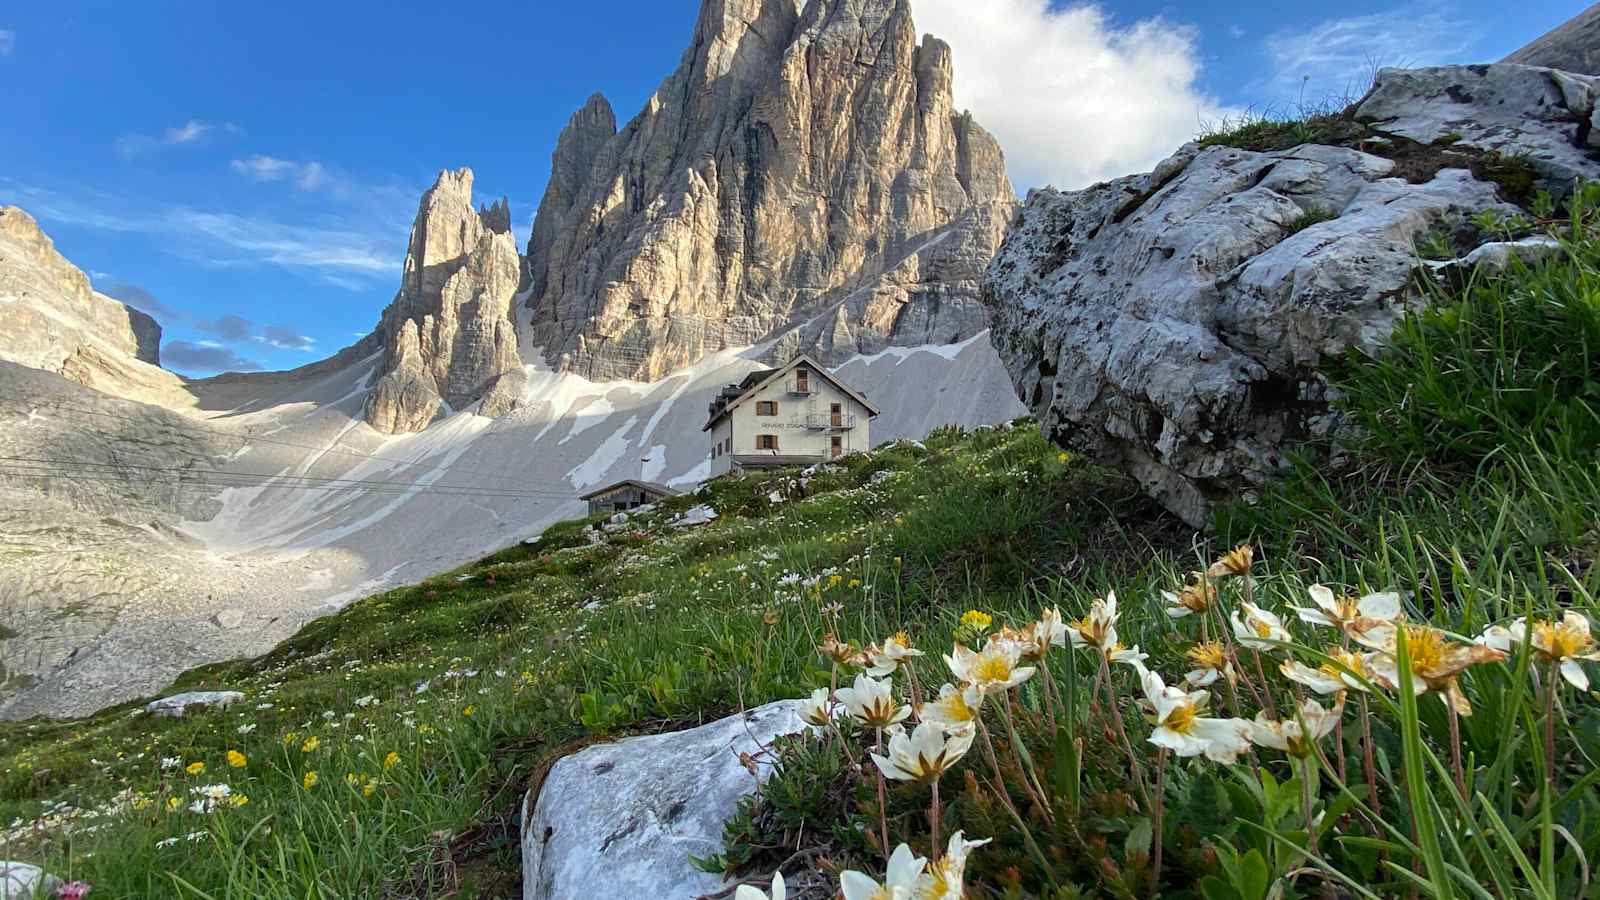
{"points": [[795, 415]]}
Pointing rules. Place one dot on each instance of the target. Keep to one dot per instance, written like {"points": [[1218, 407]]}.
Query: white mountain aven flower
{"points": [[895, 652], [1258, 629], [1181, 727], [1195, 599], [955, 711], [1332, 677], [871, 702], [1436, 662], [945, 879], [992, 670], [1210, 662], [746, 892], [1565, 643], [1297, 737], [899, 883], [927, 753], [817, 709], [1350, 615], [1098, 629]]}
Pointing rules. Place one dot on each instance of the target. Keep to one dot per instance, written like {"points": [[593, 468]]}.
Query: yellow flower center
{"points": [[1181, 719], [1426, 647], [1209, 656], [1262, 629], [991, 667], [1346, 609], [1560, 641]]}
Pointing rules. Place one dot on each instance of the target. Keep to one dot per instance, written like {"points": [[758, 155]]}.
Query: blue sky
{"points": [[249, 176]]}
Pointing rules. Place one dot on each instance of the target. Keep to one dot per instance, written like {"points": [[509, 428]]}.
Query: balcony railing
{"points": [[830, 422]]}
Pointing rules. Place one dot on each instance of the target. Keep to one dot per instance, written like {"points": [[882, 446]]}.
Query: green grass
{"points": [[1470, 486]]}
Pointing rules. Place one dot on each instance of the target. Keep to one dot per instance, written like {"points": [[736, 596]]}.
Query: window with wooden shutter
{"points": [[766, 407], [766, 442]]}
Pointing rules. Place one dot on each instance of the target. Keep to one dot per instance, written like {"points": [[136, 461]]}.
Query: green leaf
{"points": [[1214, 888], [1139, 837], [1253, 876]]}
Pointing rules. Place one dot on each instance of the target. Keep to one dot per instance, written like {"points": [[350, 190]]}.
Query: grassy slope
{"points": [[1474, 492], [547, 644]]}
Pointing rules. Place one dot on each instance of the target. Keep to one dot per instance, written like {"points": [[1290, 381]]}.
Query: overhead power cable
{"points": [[249, 439], [38, 465]]}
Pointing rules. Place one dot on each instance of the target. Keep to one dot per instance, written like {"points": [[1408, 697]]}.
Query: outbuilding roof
{"points": [[650, 486]]}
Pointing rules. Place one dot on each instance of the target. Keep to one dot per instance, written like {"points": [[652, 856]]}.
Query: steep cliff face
{"points": [[52, 319], [1574, 46], [802, 173], [449, 338]]}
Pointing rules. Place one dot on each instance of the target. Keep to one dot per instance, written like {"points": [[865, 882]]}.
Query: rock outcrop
{"points": [[51, 318], [449, 336], [802, 174], [621, 820], [1573, 46], [1173, 323]]}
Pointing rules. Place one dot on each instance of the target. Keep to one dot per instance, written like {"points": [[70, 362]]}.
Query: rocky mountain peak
{"points": [[449, 338], [801, 176], [52, 318]]}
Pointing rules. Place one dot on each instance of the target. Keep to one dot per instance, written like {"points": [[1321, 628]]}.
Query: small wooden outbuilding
{"points": [[626, 495]]}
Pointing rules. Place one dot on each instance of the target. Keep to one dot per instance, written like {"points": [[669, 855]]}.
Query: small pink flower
{"points": [[73, 890]]}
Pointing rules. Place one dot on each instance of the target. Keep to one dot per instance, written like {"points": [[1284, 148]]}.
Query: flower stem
{"points": [[1051, 698], [1266, 689], [1160, 809], [883, 803], [1368, 763], [1122, 731], [1455, 747], [994, 763], [933, 813], [1029, 779], [1550, 726], [1308, 802]]}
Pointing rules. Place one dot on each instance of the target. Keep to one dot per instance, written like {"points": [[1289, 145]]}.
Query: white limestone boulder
{"points": [[20, 881], [178, 704], [1173, 323], [622, 819]]}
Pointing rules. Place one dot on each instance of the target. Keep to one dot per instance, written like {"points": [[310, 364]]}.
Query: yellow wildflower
{"points": [[310, 780], [979, 621], [468, 711], [368, 789], [311, 744], [195, 768], [237, 759], [239, 800], [390, 761]]}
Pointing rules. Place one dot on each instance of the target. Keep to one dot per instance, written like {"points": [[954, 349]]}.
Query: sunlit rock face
{"points": [[449, 337], [51, 318], [1174, 323], [1573, 46], [802, 175]]}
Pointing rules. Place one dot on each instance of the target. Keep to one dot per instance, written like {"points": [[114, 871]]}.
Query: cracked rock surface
{"points": [[622, 819], [1172, 323]]}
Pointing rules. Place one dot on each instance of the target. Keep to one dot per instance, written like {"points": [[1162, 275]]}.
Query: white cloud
{"points": [[368, 249], [8, 42], [1072, 97], [131, 145], [310, 176], [1236, 30], [1337, 57], [263, 168]]}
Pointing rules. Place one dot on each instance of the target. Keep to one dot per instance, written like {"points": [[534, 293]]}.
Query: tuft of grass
{"points": [[1316, 215]]}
